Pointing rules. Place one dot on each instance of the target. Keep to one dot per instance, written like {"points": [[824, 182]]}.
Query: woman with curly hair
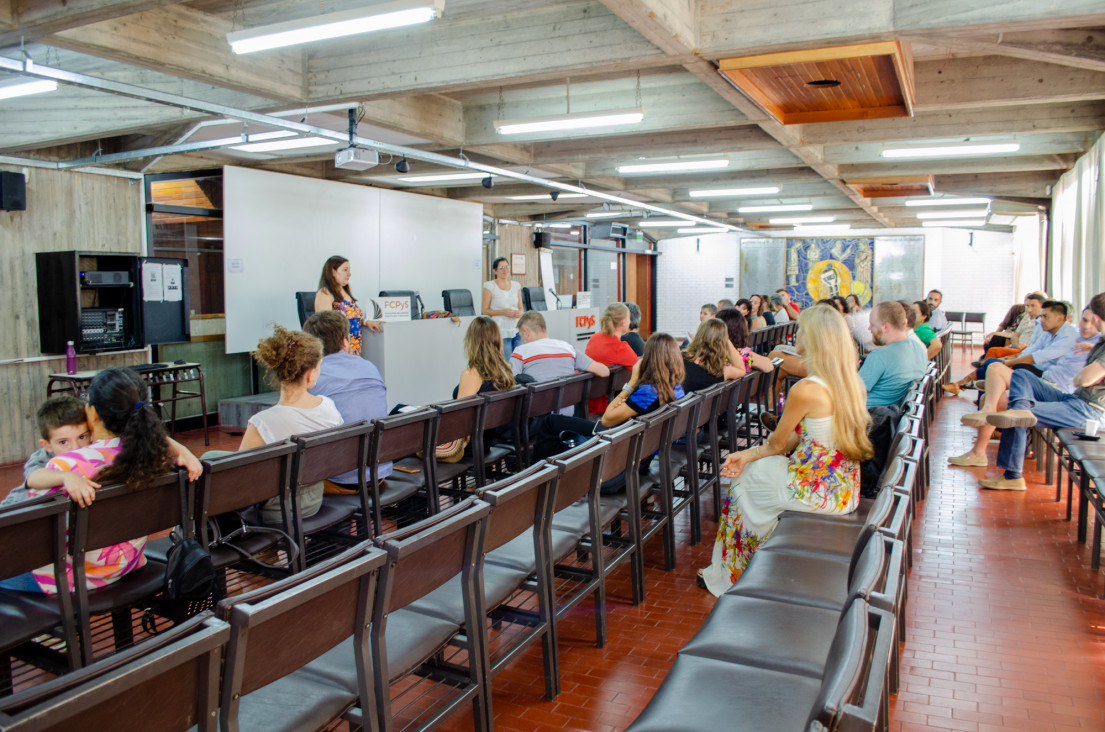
{"points": [[809, 463], [711, 358]]}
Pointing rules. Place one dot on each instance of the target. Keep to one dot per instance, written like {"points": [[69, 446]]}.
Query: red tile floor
{"points": [[1005, 623]]}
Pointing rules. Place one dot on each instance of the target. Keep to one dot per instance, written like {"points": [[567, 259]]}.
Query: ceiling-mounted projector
{"points": [[356, 158]]}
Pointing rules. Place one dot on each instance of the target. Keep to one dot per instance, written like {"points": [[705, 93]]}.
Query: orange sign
{"points": [[585, 321]]}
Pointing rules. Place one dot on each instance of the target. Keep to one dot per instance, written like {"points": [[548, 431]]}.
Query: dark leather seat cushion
{"points": [[24, 615], [707, 694], [795, 578], [334, 509], [801, 535], [765, 633], [856, 517], [129, 590]]}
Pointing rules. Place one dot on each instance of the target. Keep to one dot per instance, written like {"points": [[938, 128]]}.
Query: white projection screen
{"points": [[279, 230]]}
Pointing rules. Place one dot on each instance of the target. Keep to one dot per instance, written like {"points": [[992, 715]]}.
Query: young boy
{"points": [[64, 427]]}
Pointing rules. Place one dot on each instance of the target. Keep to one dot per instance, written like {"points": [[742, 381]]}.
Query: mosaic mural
{"points": [[820, 268]]}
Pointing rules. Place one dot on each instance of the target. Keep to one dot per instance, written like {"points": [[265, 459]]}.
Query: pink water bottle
{"points": [[70, 359]]}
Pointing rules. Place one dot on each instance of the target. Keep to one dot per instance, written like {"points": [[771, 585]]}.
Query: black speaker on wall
{"points": [[542, 239], [13, 192]]}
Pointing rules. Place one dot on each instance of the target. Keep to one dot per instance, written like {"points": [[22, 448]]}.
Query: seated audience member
{"points": [[543, 358], [937, 319], [810, 463], [129, 445], [842, 305], [1021, 335], [778, 310], [860, 327], [1008, 324], [1051, 341], [889, 371], [63, 427], [833, 303], [606, 346], [294, 360], [744, 307], [633, 337], [1033, 401], [1058, 372], [353, 383], [707, 311], [488, 369], [854, 305], [761, 307], [723, 304], [737, 329], [791, 307], [657, 380], [923, 330], [711, 358]]}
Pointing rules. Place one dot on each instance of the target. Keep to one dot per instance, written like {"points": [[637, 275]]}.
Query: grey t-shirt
{"points": [[546, 359], [1094, 394]]}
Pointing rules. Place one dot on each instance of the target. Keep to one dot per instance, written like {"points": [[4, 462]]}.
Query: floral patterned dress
{"points": [[351, 310], [816, 478]]}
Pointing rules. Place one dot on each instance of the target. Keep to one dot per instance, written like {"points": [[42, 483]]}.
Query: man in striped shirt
{"points": [[543, 358]]}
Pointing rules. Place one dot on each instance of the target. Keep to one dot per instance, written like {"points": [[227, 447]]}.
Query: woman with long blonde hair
{"points": [[809, 463], [711, 357], [487, 369]]}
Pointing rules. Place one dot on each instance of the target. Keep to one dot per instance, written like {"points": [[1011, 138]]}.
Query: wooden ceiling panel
{"points": [[893, 186], [867, 81]]}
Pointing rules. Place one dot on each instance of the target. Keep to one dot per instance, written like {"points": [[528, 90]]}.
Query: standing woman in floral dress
{"points": [[809, 463], [334, 293]]}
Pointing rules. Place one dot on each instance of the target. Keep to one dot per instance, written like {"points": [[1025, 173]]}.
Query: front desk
{"points": [[421, 360]]}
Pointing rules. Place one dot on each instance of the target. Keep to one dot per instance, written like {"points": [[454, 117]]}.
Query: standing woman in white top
{"points": [[294, 360], [502, 300], [809, 463]]}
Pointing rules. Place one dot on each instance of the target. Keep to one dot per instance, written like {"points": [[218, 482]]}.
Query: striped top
{"points": [[101, 566]]}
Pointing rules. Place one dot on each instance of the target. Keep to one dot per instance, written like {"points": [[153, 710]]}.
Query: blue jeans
{"points": [[1052, 407], [980, 372], [509, 344]]}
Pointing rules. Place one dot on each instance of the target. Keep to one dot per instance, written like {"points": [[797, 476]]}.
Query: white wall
{"points": [[280, 229], [692, 271]]}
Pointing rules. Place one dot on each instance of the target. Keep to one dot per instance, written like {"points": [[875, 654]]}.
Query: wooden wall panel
{"points": [[65, 211], [515, 239]]}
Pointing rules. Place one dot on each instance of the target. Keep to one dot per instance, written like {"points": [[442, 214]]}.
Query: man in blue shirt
{"points": [[352, 382], [889, 371], [1058, 372], [937, 319]]}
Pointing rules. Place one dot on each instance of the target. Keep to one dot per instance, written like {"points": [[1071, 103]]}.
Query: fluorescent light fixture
{"points": [[955, 223], [734, 192], [659, 223], [557, 226], [294, 143], [679, 166], [778, 208], [948, 151], [23, 86], [574, 121], [441, 177], [545, 197], [607, 214], [701, 230], [803, 220], [948, 202], [334, 25], [822, 227], [970, 213]]}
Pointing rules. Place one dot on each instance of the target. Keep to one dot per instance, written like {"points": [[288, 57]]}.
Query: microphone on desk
{"points": [[555, 297], [421, 305]]}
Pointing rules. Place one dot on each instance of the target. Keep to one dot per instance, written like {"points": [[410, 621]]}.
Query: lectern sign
{"points": [[395, 308]]}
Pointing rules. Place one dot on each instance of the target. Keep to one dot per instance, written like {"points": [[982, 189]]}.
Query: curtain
{"points": [[1076, 260]]}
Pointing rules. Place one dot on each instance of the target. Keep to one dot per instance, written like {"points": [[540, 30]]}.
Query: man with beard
{"points": [[889, 371]]}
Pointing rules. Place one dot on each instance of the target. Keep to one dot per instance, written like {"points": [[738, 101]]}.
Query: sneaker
{"points": [[769, 420], [977, 364], [1012, 418], [951, 388], [967, 460], [975, 419], [1003, 484]]}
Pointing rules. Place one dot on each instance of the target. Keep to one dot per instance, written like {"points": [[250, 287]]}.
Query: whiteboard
{"points": [[279, 230]]}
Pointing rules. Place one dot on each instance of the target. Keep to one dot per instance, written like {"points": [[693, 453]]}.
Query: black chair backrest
{"points": [[32, 535], [305, 306], [657, 430], [519, 503], [684, 424], [599, 386], [580, 473], [844, 668], [576, 389], [120, 514], [326, 453], [623, 455], [242, 479], [618, 379], [533, 298], [458, 302], [544, 397], [416, 311], [427, 554], [169, 682], [318, 608], [458, 418], [868, 563], [502, 408], [400, 435]]}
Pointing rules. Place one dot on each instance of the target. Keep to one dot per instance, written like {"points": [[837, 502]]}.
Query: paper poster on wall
{"points": [[174, 291], [518, 264], [583, 299], [153, 277]]}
